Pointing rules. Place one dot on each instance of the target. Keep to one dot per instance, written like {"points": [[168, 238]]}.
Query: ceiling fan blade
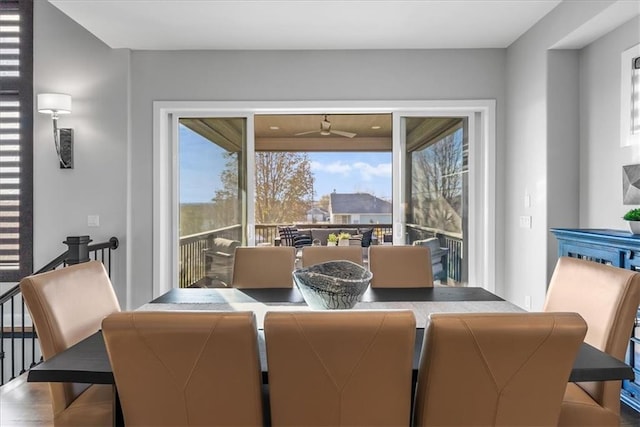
{"points": [[307, 133], [343, 133]]}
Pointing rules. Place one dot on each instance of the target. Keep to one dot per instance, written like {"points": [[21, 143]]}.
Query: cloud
{"points": [[368, 172], [337, 167]]}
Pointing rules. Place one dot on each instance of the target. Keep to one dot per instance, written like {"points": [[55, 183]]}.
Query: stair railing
{"points": [[19, 349]]}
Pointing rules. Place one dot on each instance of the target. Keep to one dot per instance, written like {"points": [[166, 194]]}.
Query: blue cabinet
{"points": [[620, 249]]}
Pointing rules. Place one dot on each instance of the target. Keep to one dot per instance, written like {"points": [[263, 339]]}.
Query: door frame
{"points": [[482, 145]]}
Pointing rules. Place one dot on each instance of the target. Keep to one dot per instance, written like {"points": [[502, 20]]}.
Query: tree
{"points": [[436, 192], [284, 188], [324, 202], [227, 209]]}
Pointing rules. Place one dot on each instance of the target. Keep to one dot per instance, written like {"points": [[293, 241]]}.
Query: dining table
{"points": [[88, 362]]}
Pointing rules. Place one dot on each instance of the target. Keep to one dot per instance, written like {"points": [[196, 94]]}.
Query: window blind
{"points": [[16, 139]]}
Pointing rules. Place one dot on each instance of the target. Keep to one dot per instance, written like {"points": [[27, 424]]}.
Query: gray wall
{"points": [[534, 163], [538, 128], [318, 75], [601, 156], [563, 144], [70, 60]]}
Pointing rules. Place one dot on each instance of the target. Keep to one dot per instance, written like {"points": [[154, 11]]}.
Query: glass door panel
{"points": [[212, 198], [434, 187]]}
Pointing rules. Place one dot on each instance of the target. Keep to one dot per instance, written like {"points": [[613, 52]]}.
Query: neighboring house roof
{"points": [[317, 211], [358, 203]]}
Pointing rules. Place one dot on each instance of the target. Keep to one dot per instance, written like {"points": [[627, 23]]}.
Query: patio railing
{"points": [[457, 271], [194, 265]]}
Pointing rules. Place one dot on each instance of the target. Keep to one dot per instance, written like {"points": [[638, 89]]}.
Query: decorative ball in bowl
{"points": [[332, 284]]}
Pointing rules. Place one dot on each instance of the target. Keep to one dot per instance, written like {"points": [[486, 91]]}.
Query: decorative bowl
{"points": [[332, 284]]}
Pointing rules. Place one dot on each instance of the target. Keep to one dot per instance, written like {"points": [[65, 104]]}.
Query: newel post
{"points": [[78, 249]]}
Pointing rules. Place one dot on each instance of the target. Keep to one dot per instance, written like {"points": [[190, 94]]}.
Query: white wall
{"points": [[68, 59], [601, 156], [289, 75]]}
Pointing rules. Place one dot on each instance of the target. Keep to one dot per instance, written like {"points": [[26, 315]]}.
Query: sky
{"points": [[201, 163]]}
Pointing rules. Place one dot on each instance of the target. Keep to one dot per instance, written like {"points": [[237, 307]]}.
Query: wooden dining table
{"points": [[88, 362]]}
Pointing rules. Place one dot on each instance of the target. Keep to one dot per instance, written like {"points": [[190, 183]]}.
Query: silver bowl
{"points": [[332, 284]]}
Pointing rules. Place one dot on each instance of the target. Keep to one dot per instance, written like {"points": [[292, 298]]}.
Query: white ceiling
{"points": [[306, 24]]}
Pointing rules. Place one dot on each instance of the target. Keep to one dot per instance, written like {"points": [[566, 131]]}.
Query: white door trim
{"points": [[167, 113]]}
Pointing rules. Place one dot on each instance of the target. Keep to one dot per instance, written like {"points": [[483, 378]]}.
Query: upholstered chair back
{"points": [[66, 306], [186, 368], [316, 254], [499, 369], [263, 267], [400, 266], [607, 298], [340, 368]]}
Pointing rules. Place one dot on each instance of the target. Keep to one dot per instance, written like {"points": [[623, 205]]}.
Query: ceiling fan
{"points": [[325, 130]]}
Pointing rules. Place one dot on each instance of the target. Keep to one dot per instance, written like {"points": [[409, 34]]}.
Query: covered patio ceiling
{"points": [[279, 132]]}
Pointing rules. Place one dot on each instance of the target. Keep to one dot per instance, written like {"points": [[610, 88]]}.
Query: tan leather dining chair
{"points": [[340, 368], [66, 306], [607, 298], [498, 369], [316, 254], [400, 266], [263, 267], [186, 368]]}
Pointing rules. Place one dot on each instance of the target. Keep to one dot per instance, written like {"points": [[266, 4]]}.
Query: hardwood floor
{"points": [[24, 404], [628, 416]]}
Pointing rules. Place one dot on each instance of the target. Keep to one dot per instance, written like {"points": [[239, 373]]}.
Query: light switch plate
{"points": [[93, 221], [525, 221]]}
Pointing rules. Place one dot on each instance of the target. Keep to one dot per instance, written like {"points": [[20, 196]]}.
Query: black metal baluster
{"points": [[2, 358], [24, 338], [12, 329]]}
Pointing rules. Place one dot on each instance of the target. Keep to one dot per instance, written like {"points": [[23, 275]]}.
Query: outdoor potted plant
{"points": [[343, 239], [633, 216], [332, 240]]}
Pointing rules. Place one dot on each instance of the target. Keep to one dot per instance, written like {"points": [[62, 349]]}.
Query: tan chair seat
{"points": [[496, 369], [579, 409], [94, 407], [340, 368], [607, 298], [186, 368], [66, 306], [316, 254], [263, 267], [400, 267]]}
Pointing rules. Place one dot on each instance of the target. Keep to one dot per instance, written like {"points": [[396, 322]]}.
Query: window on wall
{"points": [[630, 97], [635, 96], [16, 139]]}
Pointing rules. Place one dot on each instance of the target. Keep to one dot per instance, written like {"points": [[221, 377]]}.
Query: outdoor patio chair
{"points": [[291, 236]]}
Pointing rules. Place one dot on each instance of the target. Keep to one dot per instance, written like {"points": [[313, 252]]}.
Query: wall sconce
{"points": [[55, 104]]}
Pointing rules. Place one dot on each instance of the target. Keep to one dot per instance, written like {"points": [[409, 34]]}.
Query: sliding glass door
{"points": [[432, 181], [206, 182], [212, 193]]}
